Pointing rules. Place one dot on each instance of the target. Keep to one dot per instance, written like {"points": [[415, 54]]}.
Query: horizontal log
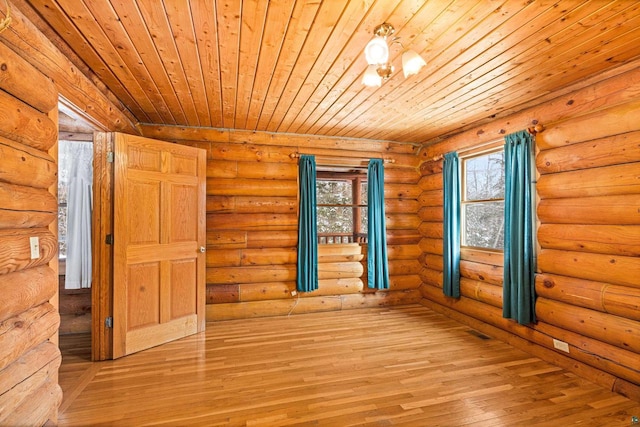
{"points": [[431, 182], [605, 239], [272, 239], [223, 257], [607, 151], [340, 249], [482, 256], [604, 327], [19, 78], [277, 171], [279, 307], [432, 246], [403, 237], [401, 191], [28, 365], [226, 239], [603, 181], [616, 120], [20, 198], [404, 282], [268, 256], [10, 219], [482, 272], [401, 206], [403, 267], [15, 249], [431, 214], [13, 398], [251, 187], [402, 221], [222, 169], [623, 301], [614, 269], [481, 291], [338, 286], [430, 167], [251, 153], [432, 277], [380, 299], [337, 270], [409, 176], [25, 289], [403, 252], [222, 293], [25, 331], [247, 204], [20, 167], [251, 274], [432, 198], [257, 221], [605, 210], [38, 407], [266, 291], [326, 259], [433, 230], [26, 125], [434, 262]]}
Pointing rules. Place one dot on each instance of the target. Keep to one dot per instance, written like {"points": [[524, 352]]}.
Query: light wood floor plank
{"points": [[404, 366]]}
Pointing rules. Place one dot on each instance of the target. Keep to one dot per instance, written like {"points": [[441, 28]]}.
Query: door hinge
{"points": [[109, 156], [108, 322], [109, 239]]}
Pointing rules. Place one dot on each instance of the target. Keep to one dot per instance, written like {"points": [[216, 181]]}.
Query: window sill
{"points": [[483, 256]]}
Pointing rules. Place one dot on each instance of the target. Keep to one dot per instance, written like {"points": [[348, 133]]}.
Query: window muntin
{"points": [[483, 200], [342, 210]]}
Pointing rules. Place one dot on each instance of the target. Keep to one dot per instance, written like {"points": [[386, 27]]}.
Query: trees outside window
{"points": [[342, 207], [483, 200]]}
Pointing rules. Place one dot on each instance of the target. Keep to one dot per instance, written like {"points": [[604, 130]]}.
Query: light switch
{"points": [[35, 247]]}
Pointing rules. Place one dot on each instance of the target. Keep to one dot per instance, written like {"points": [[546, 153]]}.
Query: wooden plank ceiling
{"points": [[296, 66]]}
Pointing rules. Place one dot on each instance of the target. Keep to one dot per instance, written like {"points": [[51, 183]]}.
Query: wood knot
{"points": [[3, 67], [18, 324], [548, 283]]}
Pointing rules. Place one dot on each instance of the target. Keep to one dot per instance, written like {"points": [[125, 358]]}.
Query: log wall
{"points": [[588, 207], [29, 320], [252, 224]]}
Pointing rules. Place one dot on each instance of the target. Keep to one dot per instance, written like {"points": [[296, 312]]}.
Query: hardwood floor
{"points": [[375, 367]]}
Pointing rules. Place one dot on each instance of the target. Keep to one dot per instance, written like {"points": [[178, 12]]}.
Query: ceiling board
{"points": [[295, 66]]}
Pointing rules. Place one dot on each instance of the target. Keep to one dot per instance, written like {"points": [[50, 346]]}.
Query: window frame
{"points": [[357, 235], [463, 195]]}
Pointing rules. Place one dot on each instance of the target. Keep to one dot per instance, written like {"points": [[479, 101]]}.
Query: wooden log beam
{"points": [[433, 230], [493, 258], [401, 191], [604, 210], [222, 293], [481, 291], [265, 291], [25, 124], [28, 365], [603, 181], [432, 246], [20, 198], [15, 249], [226, 239], [614, 269], [605, 239], [251, 204], [604, 327], [401, 206], [623, 301], [404, 282], [432, 277], [338, 286], [252, 274], [257, 221], [407, 176], [395, 252], [19, 78], [21, 333], [432, 198], [402, 221], [37, 407], [22, 166], [431, 213], [404, 267], [606, 151], [25, 289], [380, 299], [431, 182], [434, 262], [251, 187], [272, 238], [482, 272]]}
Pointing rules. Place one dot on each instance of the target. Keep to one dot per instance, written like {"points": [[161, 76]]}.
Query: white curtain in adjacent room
{"points": [[76, 173]]}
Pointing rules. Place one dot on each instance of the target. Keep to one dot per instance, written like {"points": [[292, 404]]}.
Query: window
{"points": [[342, 207], [483, 200]]}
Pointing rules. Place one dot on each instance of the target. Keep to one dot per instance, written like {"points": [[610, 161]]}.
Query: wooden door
{"points": [[158, 243]]}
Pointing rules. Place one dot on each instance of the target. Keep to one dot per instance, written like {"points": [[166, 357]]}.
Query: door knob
{"points": [[202, 249]]}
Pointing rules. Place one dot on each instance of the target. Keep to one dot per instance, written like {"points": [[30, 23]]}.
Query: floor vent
{"points": [[479, 335]]}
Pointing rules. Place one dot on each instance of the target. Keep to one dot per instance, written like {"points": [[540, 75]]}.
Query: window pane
{"points": [[62, 231], [334, 192], [364, 220], [363, 193], [484, 177], [335, 219], [484, 225]]}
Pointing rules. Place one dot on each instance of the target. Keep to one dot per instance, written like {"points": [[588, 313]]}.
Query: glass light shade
{"points": [[371, 76], [411, 63], [377, 51]]}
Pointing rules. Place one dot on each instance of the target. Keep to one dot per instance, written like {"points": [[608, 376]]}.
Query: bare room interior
{"points": [[296, 212]]}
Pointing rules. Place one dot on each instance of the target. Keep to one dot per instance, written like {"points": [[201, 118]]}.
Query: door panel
{"points": [[159, 228]]}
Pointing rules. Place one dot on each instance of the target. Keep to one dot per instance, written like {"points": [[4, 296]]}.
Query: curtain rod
{"points": [[334, 158], [538, 128]]}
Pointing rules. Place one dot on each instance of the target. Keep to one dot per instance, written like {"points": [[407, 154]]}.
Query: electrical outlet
{"points": [[561, 345], [34, 242], [294, 293]]}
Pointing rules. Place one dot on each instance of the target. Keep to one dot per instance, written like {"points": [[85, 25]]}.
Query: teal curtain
{"points": [[519, 262], [377, 261], [307, 277], [451, 178]]}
